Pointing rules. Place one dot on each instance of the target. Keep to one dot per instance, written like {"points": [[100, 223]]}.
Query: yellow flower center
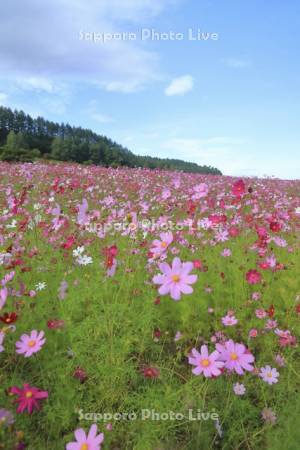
{"points": [[28, 394], [205, 362], [164, 244], [31, 343], [269, 374], [175, 278], [84, 447], [233, 356]]}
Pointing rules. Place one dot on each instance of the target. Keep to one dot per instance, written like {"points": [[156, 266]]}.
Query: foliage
{"points": [[66, 143]]}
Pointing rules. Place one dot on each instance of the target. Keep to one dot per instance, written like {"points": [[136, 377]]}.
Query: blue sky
{"points": [[231, 102]]}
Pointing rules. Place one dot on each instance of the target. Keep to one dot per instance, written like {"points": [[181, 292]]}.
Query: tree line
{"points": [[23, 138]]}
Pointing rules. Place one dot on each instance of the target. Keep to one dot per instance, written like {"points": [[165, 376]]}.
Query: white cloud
{"points": [[221, 152], [36, 83], [39, 45], [237, 63], [101, 118], [180, 85], [3, 98]]}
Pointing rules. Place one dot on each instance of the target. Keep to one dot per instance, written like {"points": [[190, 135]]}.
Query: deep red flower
{"points": [[80, 374], [157, 333], [9, 318], [55, 323], [150, 372], [275, 226], [69, 242], [271, 311]]}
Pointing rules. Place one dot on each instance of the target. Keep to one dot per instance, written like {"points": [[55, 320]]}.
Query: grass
{"points": [[110, 321]]}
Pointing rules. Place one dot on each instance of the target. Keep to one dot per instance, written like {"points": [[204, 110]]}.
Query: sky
{"points": [[209, 81]]}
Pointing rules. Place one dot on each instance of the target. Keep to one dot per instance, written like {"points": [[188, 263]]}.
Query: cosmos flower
{"points": [[207, 364], [84, 260], [239, 389], [260, 313], [3, 297], [226, 252], [253, 333], [229, 320], [253, 277], [40, 286], [175, 279], [28, 397], [150, 372], [269, 375], [9, 318], [269, 416], [235, 356], [238, 188], [2, 335], [90, 441], [30, 344], [6, 417], [160, 246]]}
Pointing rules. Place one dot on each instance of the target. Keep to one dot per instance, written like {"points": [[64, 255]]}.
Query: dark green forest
{"points": [[23, 138]]}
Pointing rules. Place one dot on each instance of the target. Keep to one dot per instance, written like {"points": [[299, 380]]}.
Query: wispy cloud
{"points": [[3, 98], [180, 85], [47, 45], [237, 63], [101, 118]]}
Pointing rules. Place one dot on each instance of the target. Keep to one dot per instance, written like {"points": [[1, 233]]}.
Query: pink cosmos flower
{"points": [[160, 246], [7, 278], [201, 190], [270, 324], [253, 333], [28, 397], [236, 357], [260, 313], [29, 344], [205, 363], [91, 441], [226, 252], [3, 296], [229, 320], [279, 359], [253, 277], [269, 375], [2, 335], [239, 389], [175, 279]]}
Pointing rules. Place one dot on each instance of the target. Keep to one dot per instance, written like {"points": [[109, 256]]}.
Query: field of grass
{"points": [[86, 257]]}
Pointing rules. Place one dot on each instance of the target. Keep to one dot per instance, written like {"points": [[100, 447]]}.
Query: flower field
{"points": [[148, 310]]}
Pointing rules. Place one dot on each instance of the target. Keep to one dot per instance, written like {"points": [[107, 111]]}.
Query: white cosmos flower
{"points": [[84, 260], [78, 251], [41, 286]]}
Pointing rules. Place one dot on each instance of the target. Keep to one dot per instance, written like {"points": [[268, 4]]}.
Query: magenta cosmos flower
{"points": [[29, 344], [176, 279], [91, 441], [28, 397], [253, 276], [235, 356], [205, 363]]}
